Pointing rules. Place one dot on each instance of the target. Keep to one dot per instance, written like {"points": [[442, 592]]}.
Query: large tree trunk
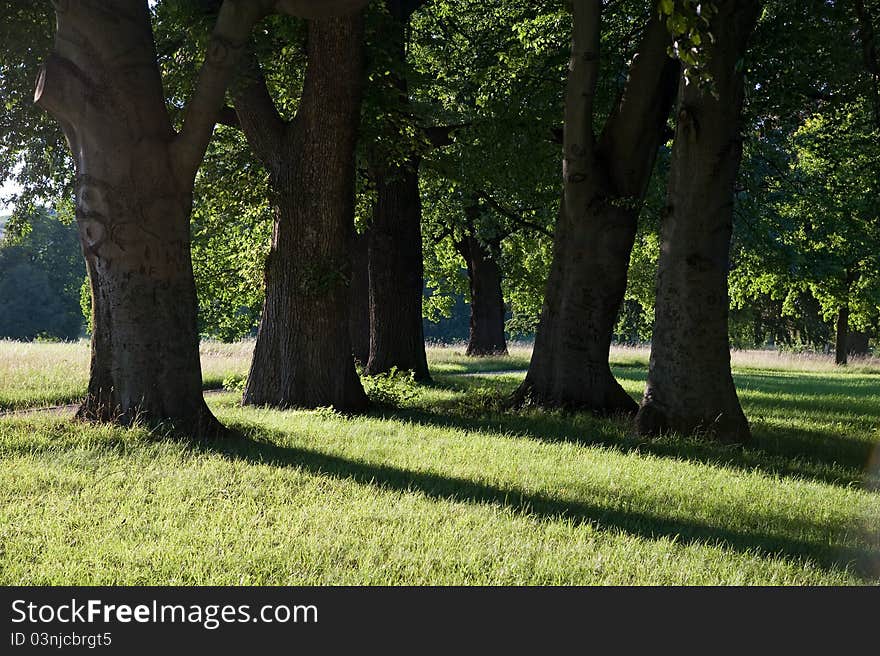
{"points": [[605, 181], [303, 355], [359, 316], [397, 337], [487, 301], [841, 342], [134, 181], [690, 387]]}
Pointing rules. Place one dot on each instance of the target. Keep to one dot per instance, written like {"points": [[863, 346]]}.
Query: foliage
{"points": [[33, 151], [495, 71], [807, 232], [393, 388], [231, 234], [235, 383], [41, 269], [451, 322]]}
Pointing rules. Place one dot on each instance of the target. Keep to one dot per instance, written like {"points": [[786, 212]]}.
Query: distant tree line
{"points": [[41, 273]]}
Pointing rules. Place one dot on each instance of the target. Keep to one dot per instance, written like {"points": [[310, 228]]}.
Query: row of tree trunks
{"points": [[487, 300], [690, 387], [604, 185], [303, 355]]}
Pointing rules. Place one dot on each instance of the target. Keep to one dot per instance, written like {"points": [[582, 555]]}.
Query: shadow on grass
{"points": [[258, 445], [812, 454], [840, 396]]}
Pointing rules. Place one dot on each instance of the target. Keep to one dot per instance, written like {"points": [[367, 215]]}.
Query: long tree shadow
{"points": [[815, 454], [854, 395], [256, 444], [821, 456]]}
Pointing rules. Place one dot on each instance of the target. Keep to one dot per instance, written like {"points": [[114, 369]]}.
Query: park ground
{"points": [[440, 485]]}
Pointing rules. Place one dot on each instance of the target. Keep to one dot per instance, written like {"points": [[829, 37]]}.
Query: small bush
{"points": [[394, 388], [235, 383]]}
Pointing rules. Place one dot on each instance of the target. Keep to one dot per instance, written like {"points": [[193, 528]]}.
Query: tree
{"points": [[495, 71], [486, 335], [690, 386], [303, 354], [805, 240], [604, 182], [134, 184], [396, 269]]}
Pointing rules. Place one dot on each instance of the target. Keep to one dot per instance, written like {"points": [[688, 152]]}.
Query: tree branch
{"points": [[229, 118], [635, 126], [62, 89], [513, 216], [318, 8], [583, 76], [231, 32], [257, 114], [447, 231], [441, 135]]}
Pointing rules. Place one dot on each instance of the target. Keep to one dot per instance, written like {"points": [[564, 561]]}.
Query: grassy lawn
{"points": [[445, 489], [34, 375]]}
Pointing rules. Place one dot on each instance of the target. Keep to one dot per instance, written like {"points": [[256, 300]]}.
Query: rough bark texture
{"points": [[690, 387], [487, 301], [134, 181], [359, 316], [303, 356], [604, 184], [397, 337], [841, 342]]}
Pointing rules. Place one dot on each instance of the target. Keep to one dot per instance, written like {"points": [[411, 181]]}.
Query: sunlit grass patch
{"points": [[445, 491], [34, 374]]}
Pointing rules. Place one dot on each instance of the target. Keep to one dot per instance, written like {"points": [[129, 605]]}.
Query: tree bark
{"points": [[397, 337], [134, 183], [841, 342], [303, 356], [604, 185], [690, 387], [359, 317], [487, 300]]}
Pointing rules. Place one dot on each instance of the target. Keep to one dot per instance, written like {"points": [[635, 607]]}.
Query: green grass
{"points": [[448, 490], [34, 375]]}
